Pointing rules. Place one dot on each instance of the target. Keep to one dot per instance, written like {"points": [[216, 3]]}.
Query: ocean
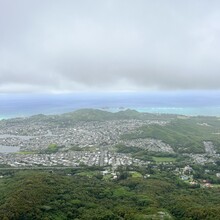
{"points": [[185, 103]]}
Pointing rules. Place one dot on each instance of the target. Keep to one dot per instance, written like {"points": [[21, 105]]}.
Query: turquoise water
{"points": [[185, 103], [190, 111]]}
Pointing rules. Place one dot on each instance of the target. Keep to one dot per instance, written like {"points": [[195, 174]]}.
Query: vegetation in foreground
{"points": [[66, 194]]}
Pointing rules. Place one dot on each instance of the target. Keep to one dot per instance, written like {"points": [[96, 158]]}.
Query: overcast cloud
{"points": [[72, 45]]}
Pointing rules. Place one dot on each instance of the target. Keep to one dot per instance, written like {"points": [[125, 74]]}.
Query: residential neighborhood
{"points": [[41, 141]]}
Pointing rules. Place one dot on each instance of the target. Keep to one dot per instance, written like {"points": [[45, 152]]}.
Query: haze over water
{"points": [[186, 103]]}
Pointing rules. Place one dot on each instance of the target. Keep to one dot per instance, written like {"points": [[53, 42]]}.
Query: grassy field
{"points": [[26, 152], [135, 174], [164, 159]]}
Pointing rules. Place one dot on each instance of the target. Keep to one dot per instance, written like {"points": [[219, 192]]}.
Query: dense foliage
{"points": [[45, 195]]}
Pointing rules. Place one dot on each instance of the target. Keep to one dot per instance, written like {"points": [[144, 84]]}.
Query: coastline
{"points": [[181, 103], [187, 111]]}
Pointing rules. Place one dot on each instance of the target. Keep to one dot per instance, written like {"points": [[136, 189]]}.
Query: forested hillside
{"points": [[41, 195]]}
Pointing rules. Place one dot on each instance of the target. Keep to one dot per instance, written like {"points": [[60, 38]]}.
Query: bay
{"points": [[9, 149], [179, 102]]}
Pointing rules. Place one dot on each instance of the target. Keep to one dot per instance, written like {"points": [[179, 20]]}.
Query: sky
{"points": [[109, 45]]}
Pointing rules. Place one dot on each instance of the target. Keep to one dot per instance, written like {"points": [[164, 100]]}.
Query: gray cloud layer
{"points": [[51, 45]]}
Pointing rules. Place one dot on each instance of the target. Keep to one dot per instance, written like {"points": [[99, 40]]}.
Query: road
{"points": [[37, 168]]}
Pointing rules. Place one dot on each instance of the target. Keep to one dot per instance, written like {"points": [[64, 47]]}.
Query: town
{"points": [[92, 139], [49, 141]]}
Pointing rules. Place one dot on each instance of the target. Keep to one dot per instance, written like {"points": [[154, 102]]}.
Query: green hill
{"points": [[51, 196]]}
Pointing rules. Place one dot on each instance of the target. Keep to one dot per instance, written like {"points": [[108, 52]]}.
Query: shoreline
{"points": [[186, 111]]}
